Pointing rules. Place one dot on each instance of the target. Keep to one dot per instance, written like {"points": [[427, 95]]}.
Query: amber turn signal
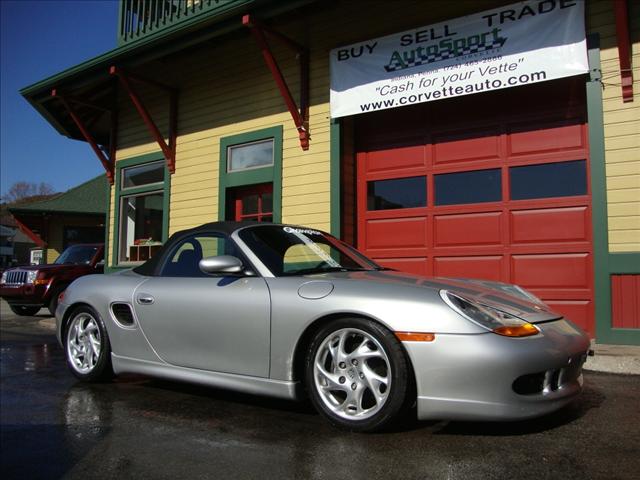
{"points": [[415, 337], [524, 330], [41, 281]]}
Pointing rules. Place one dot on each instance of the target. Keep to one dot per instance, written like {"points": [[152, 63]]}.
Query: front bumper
{"points": [[28, 295], [471, 377]]}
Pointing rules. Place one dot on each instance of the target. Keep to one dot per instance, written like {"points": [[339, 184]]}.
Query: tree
{"points": [[21, 191]]}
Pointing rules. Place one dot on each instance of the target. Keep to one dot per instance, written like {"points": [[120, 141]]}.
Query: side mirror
{"points": [[221, 264]]}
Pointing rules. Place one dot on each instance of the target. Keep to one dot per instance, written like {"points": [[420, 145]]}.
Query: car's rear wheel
{"points": [[87, 346], [357, 374], [24, 311]]}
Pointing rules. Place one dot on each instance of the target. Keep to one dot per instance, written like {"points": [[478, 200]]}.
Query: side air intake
{"points": [[123, 314]]}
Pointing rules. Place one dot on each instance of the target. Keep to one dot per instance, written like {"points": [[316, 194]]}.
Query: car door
{"points": [[216, 323]]}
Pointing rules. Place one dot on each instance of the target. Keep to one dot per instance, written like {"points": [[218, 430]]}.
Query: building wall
{"points": [[621, 127], [55, 237], [226, 89]]}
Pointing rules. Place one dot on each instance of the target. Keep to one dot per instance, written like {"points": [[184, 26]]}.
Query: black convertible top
{"points": [[149, 268]]}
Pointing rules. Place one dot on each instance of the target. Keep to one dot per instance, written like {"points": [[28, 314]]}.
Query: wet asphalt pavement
{"points": [[53, 427]]}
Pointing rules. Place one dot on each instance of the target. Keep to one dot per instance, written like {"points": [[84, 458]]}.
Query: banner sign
{"points": [[528, 42]]}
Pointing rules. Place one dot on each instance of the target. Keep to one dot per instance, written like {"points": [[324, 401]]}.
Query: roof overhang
{"points": [[91, 80]]}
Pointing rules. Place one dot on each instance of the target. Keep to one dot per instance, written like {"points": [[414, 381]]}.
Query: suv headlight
{"points": [[489, 318], [4, 277], [31, 276]]}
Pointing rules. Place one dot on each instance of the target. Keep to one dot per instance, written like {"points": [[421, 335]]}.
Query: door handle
{"points": [[145, 299]]}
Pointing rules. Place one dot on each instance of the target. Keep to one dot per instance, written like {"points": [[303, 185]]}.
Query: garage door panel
{"points": [[561, 271], [396, 233], [468, 229], [550, 225], [466, 145], [488, 267], [578, 311], [415, 265], [539, 136], [507, 191], [396, 159]]}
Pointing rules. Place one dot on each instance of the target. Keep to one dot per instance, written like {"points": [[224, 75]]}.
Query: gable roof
{"points": [[89, 198]]}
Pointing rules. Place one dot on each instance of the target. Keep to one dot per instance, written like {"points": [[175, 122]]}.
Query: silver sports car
{"points": [[289, 311]]}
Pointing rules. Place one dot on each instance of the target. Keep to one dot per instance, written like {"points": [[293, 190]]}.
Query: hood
{"points": [[501, 296], [46, 267]]}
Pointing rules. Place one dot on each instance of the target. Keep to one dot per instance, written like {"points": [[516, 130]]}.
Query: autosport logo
{"points": [[444, 49]]}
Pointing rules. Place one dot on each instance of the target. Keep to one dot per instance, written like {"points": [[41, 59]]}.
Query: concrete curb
{"points": [[624, 359]]}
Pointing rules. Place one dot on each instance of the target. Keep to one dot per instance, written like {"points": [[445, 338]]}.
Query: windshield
{"points": [[77, 255], [300, 251]]}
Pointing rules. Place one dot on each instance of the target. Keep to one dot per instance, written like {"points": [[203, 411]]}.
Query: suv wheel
{"points": [[24, 311]]}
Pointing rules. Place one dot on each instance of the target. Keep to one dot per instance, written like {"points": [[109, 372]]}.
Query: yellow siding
{"points": [[621, 127]]}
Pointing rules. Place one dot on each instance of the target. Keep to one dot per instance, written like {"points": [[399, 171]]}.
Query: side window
{"points": [[184, 258]]}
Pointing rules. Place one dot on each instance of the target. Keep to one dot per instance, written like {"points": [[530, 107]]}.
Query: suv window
{"points": [[183, 260]]}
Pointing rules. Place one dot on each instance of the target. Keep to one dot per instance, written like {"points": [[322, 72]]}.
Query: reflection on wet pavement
{"points": [[135, 427]]}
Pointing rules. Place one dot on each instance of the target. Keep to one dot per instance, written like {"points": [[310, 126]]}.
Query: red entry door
{"points": [[254, 203]]}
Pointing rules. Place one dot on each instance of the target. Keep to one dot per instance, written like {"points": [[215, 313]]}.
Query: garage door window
{"points": [[476, 186], [397, 193], [563, 179]]}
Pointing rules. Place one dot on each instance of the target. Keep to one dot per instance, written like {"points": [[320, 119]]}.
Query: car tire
{"points": [[357, 375], [53, 301], [87, 347], [24, 311]]}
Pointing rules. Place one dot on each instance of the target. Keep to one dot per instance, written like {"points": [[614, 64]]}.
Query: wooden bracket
{"points": [[168, 149], [624, 48], [69, 102], [300, 115]]}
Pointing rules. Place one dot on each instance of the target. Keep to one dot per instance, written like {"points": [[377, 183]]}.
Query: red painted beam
{"points": [[30, 233], [108, 166], [624, 48], [300, 116], [168, 150]]}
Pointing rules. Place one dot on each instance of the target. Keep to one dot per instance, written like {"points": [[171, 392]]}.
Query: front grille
{"points": [[122, 313], [16, 277], [550, 380]]}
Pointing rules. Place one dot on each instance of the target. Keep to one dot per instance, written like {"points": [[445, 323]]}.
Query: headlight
{"points": [[31, 276], [489, 318], [4, 277]]}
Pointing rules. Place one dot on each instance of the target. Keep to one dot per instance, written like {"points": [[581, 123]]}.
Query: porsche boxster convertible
{"points": [[290, 311]]}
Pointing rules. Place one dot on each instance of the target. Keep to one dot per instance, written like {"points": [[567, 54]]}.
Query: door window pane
{"points": [[397, 193], [249, 204], [250, 155], [562, 179], [476, 186], [184, 260], [140, 226], [143, 175]]}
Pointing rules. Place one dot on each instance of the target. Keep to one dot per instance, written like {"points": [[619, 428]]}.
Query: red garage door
{"points": [[492, 186]]}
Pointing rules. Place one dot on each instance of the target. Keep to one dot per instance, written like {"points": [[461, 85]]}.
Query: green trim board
{"points": [[335, 150], [166, 188], [624, 263], [255, 176], [604, 263]]}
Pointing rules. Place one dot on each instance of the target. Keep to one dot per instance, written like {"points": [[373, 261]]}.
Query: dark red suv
{"points": [[28, 289]]}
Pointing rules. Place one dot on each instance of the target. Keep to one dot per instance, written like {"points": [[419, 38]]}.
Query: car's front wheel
{"points": [[357, 374], [87, 346]]}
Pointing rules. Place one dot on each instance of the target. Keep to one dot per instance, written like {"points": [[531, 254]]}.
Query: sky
{"points": [[39, 39]]}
